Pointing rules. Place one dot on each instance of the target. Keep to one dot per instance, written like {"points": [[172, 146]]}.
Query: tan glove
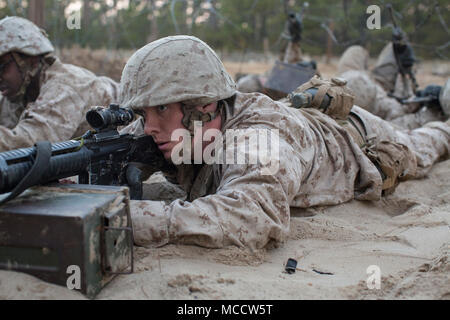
{"points": [[341, 98]]}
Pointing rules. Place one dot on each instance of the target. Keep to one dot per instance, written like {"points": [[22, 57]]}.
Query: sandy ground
{"points": [[406, 235]]}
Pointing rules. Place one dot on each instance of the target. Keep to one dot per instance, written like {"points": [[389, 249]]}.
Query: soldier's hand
{"points": [[134, 181]]}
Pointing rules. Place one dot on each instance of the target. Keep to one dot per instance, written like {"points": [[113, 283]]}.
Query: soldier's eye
{"points": [[162, 108]]}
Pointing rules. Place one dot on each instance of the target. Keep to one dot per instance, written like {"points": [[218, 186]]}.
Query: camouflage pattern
{"points": [[372, 97], [250, 83], [386, 69], [201, 81], [364, 88], [339, 101], [419, 119], [389, 108], [319, 165], [21, 35], [66, 93], [371, 93], [354, 58]]}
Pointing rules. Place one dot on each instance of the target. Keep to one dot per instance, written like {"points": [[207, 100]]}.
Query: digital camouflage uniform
{"points": [[66, 92], [371, 88], [233, 204]]}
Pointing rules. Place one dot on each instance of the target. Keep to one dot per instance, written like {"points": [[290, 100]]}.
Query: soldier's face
{"points": [[10, 76], [160, 122]]}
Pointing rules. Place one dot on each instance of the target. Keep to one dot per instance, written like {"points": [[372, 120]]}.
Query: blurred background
{"points": [[245, 33]]}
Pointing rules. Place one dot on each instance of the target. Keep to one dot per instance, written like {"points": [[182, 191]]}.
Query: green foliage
{"points": [[242, 25]]}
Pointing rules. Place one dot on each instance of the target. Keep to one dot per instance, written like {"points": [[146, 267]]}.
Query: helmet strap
{"points": [[191, 114]]}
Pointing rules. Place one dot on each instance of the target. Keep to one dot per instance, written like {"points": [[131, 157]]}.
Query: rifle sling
{"points": [[43, 154]]}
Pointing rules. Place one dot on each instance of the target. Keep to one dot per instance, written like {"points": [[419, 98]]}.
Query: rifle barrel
{"points": [[391, 13]]}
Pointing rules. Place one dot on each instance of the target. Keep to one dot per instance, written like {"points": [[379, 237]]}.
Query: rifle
{"points": [[428, 96], [99, 157], [421, 100], [402, 51], [55, 228]]}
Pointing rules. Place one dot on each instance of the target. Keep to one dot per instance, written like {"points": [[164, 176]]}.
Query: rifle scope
{"points": [[114, 116]]}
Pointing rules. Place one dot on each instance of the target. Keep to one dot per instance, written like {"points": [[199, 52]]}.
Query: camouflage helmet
{"points": [[362, 86], [250, 83], [354, 58], [444, 98], [174, 69], [21, 35]]}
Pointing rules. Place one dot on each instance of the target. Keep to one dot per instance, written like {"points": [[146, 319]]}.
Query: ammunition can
{"points": [[55, 231]]}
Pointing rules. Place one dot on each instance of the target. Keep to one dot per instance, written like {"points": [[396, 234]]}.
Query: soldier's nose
{"points": [[151, 126]]}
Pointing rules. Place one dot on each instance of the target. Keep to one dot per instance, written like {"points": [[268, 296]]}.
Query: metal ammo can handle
{"points": [[304, 99]]}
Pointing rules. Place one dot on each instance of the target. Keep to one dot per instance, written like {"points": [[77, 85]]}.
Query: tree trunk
{"points": [[86, 17], [330, 42], [36, 12], [257, 30], [154, 29], [213, 22]]}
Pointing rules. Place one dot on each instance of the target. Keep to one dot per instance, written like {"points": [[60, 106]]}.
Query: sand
{"points": [[407, 235]]}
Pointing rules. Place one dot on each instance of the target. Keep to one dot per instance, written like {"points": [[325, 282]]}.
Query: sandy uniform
{"points": [[319, 165], [371, 88], [66, 94]]}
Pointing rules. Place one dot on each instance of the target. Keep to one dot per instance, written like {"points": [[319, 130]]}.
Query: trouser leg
{"points": [[293, 53], [429, 143], [387, 107], [419, 119], [354, 58]]}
